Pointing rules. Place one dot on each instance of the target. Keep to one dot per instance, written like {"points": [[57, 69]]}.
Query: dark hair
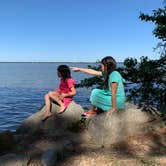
{"points": [[64, 70], [109, 66]]}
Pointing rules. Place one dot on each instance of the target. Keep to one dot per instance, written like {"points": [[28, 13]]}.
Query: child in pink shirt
{"points": [[63, 95]]}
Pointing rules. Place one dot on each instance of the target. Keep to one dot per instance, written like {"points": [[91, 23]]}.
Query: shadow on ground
{"points": [[64, 140]]}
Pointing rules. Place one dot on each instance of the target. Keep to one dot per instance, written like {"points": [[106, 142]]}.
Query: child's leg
{"points": [[48, 105], [55, 96]]}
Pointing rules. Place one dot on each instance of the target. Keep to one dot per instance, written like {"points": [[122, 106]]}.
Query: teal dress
{"points": [[102, 98]]}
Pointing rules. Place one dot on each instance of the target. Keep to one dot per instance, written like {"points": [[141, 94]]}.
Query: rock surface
{"points": [[74, 142], [56, 121], [7, 141], [106, 129]]}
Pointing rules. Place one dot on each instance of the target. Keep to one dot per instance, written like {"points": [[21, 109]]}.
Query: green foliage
{"points": [[149, 79], [159, 66], [159, 19], [129, 68]]}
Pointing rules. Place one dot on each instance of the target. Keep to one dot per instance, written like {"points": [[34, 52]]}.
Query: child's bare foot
{"points": [[89, 113], [47, 115], [62, 109]]}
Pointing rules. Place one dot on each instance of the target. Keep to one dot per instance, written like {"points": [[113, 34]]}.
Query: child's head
{"points": [[108, 64], [64, 71]]}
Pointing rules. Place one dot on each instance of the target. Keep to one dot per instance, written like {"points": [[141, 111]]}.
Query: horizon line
{"points": [[49, 62]]}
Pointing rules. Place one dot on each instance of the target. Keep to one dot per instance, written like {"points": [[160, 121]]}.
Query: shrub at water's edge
{"points": [[146, 80]]}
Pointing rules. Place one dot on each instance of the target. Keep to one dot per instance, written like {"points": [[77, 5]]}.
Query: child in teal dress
{"points": [[112, 97]]}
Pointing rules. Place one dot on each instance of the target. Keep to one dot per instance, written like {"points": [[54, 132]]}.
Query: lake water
{"points": [[22, 89]]}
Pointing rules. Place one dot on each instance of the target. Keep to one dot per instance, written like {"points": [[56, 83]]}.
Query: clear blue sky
{"points": [[75, 30]]}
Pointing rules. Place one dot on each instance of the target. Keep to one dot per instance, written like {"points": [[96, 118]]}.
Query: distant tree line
{"points": [[149, 76]]}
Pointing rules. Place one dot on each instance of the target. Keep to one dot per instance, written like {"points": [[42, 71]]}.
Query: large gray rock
{"points": [[106, 129], [56, 121], [7, 141]]}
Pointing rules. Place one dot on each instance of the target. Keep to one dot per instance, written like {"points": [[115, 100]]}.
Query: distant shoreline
{"points": [[53, 62], [47, 62]]}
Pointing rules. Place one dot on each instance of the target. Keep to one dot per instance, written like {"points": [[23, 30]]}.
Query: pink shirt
{"points": [[65, 87]]}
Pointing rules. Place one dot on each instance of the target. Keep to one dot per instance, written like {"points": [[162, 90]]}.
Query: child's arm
{"points": [[69, 94], [113, 90], [86, 70]]}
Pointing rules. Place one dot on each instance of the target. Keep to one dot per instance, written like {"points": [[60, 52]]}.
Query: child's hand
{"points": [[111, 111], [61, 96], [75, 69]]}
